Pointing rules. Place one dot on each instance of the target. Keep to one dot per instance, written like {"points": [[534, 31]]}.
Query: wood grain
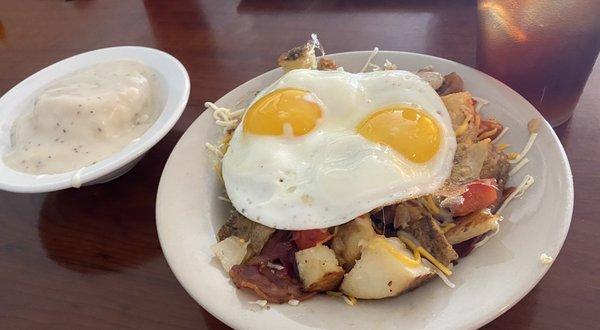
{"points": [[90, 258]]}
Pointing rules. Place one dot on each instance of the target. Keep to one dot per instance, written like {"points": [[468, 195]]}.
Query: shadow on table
{"points": [[108, 227], [211, 322], [563, 130]]}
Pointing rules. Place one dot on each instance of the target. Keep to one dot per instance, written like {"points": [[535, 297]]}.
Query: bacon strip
{"points": [[273, 285]]}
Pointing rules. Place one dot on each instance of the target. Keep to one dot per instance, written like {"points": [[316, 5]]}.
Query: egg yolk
{"points": [[409, 131], [287, 110]]}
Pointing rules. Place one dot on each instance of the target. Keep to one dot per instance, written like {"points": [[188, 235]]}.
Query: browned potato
{"points": [[468, 163], [318, 268], [462, 112], [301, 57], [345, 242], [472, 225], [379, 273], [256, 234], [230, 251]]}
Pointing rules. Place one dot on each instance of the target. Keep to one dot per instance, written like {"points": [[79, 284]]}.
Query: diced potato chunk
{"points": [[345, 242], [318, 268], [462, 112], [380, 271], [301, 57], [256, 234], [230, 251], [472, 225]]}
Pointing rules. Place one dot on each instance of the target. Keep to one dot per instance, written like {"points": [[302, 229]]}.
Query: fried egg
{"points": [[318, 148]]}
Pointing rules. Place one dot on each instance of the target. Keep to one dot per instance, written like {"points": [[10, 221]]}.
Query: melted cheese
{"points": [[502, 146], [434, 261], [447, 227], [419, 250], [460, 130], [380, 242]]}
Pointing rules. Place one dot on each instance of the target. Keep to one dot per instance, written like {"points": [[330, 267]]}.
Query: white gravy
{"points": [[83, 118]]}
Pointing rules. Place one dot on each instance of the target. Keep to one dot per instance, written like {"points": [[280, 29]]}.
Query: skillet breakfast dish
{"points": [[358, 185]]}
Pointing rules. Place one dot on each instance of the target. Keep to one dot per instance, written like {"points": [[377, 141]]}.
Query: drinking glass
{"points": [[545, 50]]}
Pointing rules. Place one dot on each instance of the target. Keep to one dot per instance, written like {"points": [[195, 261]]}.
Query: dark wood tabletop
{"points": [[90, 257]]}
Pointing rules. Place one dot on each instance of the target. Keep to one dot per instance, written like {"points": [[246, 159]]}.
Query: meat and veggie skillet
{"points": [[391, 249]]}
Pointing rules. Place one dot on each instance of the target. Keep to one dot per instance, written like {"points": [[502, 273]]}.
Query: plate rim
{"points": [[569, 202]]}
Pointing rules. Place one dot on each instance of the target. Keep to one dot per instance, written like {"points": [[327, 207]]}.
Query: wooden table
{"points": [[90, 257]]}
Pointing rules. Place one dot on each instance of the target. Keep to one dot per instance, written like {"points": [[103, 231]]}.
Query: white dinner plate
{"points": [[488, 282], [173, 90]]}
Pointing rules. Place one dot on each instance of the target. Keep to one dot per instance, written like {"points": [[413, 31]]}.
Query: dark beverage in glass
{"points": [[545, 50]]}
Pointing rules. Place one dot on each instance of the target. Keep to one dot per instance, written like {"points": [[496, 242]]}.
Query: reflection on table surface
{"points": [[91, 257]]}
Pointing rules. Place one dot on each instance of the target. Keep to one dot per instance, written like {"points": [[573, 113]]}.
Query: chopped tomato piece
{"points": [[479, 195], [306, 239]]}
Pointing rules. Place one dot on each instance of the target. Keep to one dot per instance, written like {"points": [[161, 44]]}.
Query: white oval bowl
{"points": [[488, 282], [174, 89]]}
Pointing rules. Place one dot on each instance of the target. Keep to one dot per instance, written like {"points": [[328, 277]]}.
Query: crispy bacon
{"points": [[276, 285], [280, 249]]}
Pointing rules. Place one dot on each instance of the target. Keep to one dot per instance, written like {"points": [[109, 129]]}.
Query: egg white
{"points": [[332, 174]]}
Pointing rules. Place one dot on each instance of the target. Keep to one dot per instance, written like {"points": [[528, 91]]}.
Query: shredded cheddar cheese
{"points": [[480, 103], [430, 204], [462, 129], [224, 117], [434, 261], [392, 250], [334, 294], [502, 146], [517, 167], [347, 299], [522, 154], [521, 188], [214, 149], [389, 65], [350, 300], [439, 273], [502, 132], [419, 250], [533, 126], [447, 227], [371, 56]]}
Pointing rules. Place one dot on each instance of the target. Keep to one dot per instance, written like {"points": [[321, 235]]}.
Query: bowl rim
{"points": [[121, 158]]}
